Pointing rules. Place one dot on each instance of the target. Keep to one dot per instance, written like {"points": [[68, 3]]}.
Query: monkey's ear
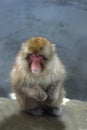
{"points": [[53, 46], [23, 46]]}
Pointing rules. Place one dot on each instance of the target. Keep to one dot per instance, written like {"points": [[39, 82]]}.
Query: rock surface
{"points": [[74, 117]]}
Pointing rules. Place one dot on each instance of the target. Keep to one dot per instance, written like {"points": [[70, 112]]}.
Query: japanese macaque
{"points": [[38, 78]]}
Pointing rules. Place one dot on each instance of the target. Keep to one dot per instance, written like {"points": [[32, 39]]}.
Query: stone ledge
{"points": [[74, 117]]}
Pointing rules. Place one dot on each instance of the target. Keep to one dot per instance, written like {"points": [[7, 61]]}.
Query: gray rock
{"points": [[74, 117]]}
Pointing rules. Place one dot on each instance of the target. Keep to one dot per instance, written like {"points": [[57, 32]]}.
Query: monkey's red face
{"points": [[36, 61]]}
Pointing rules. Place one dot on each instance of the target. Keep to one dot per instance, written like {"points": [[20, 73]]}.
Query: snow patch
{"points": [[65, 101], [12, 96]]}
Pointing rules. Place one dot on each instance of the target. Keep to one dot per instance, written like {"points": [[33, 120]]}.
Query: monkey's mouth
{"points": [[36, 67], [36, 72]]}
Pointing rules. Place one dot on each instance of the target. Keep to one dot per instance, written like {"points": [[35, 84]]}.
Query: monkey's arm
{"points": [[35, 92], [53, 92], [20, 85]]}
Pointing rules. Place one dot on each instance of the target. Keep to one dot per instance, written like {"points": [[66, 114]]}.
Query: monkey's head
{"points": [[38, 51]]}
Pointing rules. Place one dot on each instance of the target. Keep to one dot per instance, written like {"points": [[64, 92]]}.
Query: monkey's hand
{"points": [[37, 93], [51, 98]]}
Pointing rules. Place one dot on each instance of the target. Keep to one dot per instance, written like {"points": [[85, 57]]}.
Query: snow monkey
{"points": [[38, 77]]}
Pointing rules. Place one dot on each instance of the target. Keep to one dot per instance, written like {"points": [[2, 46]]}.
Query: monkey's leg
{"points": [[29, 105], [33, 107], [30, 98], [52, 111], [38, 95], [54, 101]]}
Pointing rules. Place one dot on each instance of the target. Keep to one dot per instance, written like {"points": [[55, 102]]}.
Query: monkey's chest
{"points": [[43, 82]]}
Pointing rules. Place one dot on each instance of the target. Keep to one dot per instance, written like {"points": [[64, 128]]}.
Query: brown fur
{"points": [[37, 44], [38, 90]]}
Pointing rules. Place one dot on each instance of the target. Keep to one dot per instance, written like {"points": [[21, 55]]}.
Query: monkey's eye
{"points": [[32, 55], [28, 55]]}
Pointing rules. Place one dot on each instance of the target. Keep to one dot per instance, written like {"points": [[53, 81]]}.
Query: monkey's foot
{"points": [[55, 111], [37, 112]]}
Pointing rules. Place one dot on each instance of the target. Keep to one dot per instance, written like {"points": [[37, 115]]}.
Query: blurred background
{"points": [[63, 22]]}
